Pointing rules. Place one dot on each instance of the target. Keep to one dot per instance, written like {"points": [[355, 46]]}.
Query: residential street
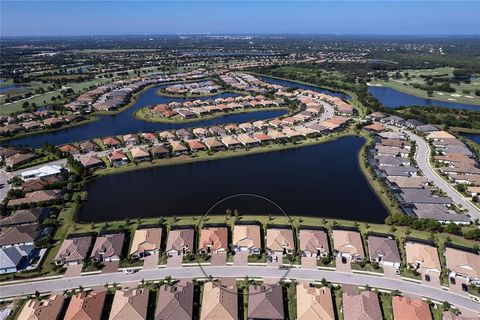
{"points": [[422, 157], [407, 287]]}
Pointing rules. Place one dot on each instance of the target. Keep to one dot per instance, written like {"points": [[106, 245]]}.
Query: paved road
{"points": [[241, 271], [422, 157]]}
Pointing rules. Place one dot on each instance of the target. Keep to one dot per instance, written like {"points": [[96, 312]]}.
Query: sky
{"points": [[56, 18]]}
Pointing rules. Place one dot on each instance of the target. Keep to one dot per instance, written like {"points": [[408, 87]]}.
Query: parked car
{"points": [[129, 271]]}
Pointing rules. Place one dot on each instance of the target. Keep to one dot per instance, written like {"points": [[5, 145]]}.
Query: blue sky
{"points": [[40, 18]]}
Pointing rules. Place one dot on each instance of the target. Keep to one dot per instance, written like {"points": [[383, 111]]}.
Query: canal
{"points": [[322, 180]]}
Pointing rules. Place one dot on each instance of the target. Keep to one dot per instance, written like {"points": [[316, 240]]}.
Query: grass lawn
{"points": [[386, 305]]}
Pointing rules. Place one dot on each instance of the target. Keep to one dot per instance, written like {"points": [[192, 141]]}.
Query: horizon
{"points": [[359, 18]]}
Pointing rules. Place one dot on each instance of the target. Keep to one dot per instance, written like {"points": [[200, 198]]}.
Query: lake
{"points": [[392, 98], [322, 180], [11, 87], [471, 136]]}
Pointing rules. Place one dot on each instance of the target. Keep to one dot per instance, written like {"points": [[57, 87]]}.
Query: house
{"points": [[375, 127], [314, 303], [108, 247], [424, 259], [25, 217], [426, 128], [42, 172], [159, 151], [219, 302], [405, 308], [69, 149], [18, 159], [131, 304], [140, 154], [439, 135], [91, 161], [86, 305], [314, 243], [199, 132], [166, 135], [111, 142], [175, 302], [42, 309], [118, 158], [262, 137], [361, 306], [146, 242], [88, 146], [178, 148], [463, 263], [280, 241], [265, 302], [150, 137], [384, 250], [73, 251], [196, 145], [18, 235], [130, 139], [213, 239], [393, 120], [213, 144], [40, 183], [348, 244], [231, 142], [439, 213], [16, 258], [246, 238], [180, 242], [35, 197]]}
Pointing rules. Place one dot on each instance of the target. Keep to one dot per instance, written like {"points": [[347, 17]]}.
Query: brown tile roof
{"points": [[279, 239], [246, 236], [350, 242], [219, 303], [179, 239], [130, 304], [463, 262], [108, 246], [265, 302], [314, 303], [86, 306], [175, 302], [363, 306], [74, 249], [312, 241], [35, 197], [18, 234], [384, 248], [26, 216], [425, 255], [44, 309], [146, 240], [405, 308], [215, 238]]}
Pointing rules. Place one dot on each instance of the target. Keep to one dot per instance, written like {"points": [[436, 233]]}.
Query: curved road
{"points": [[60, 284], [422, 157]]}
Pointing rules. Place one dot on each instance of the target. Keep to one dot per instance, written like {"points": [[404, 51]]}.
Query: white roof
{"points": [[43, 171]]}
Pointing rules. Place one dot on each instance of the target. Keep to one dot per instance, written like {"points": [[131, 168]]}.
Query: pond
{"points": [[475, 137], [392, 98], [11, 87], [322, 180]]}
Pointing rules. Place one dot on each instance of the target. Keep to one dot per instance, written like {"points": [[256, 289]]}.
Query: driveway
{"points": [[309, 263], [73, 270], [111, 266], [151, 262], [344, 267], [219, 259], [240, 259], [175, 261]]}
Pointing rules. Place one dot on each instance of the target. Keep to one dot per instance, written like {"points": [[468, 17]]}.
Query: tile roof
{"points": [[175, 302], [314, 303], [265, 302]]}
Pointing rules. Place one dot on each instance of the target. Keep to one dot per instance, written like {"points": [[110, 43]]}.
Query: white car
{"points": [[129, 271]]}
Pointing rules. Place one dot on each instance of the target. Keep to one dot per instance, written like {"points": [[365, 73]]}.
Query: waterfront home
{"points": [[18, 159], [146, 242], [276, 135], [111, 142], [246, 238], [108, 247], [186, 114], [91, 161], [213, 240], [19, 235], [424, 259], [180, 242], [262, 138], [280, 241], [117, 158], [149, 137], [159, 151], [131, 304], [231, 142], [74, 250], [375, 127], [413, 196], [86, 305], [306, 132], [217, 130], [16, 258], [130, 139], [348, 244], [416, 182], [199, 132], [463, 263], [167, 135], [232, 128], [440, 213], [405, 308], [384, 250], [439, 135], [42, 309], [361, 306], [213, 144], [140, 154], [292, 134], [196, 145], [219, 302], [69, 149], [246, 127], [314, 303], [314, 243], [247, 140], [88, 146], [42, 172], [276, 123], [265, 302], [178, 148], [426, 128], [175, 302]]}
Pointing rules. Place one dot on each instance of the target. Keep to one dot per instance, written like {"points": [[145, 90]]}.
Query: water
{"points": [[11, 87], [323, 180], [125, 122], [392, 98], [471, 136]]}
